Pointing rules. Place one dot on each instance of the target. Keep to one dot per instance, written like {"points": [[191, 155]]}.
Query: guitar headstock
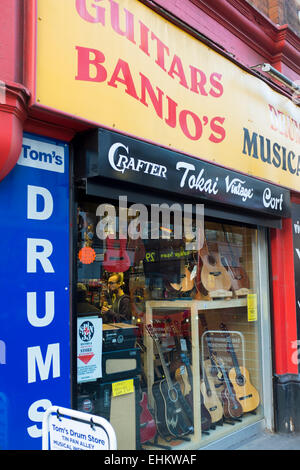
{"points": [[223, 327], [151, 331]]}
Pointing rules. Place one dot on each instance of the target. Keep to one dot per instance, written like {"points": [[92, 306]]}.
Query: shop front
{"points": [[151, 282], [172, 255]]}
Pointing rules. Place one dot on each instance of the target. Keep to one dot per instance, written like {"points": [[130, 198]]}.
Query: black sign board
{"points": [[115, 156], [295, 209]]}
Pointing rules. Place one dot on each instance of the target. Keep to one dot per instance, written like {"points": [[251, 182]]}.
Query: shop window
{"points": [[180, 358]]}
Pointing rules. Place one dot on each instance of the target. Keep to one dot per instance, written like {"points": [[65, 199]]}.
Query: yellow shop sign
{"points": [[119, 65]]}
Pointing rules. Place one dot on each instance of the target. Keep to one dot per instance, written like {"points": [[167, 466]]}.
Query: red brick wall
{"points": [[280, 11]]}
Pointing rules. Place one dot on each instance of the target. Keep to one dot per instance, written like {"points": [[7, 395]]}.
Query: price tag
{"points": [[122, 388], [252, 307]]}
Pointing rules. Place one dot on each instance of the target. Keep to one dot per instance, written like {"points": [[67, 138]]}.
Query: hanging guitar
{"points": [[239, 278], [231, 406], [214, 275], [116, 258], [239, 376], [173, 414], [186, 284], [136, 251], [137, 293], [148, 429]]}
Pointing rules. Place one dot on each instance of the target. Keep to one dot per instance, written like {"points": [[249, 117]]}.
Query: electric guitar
{"points": [[116, 258], [148, 429], [214, 275], [173, 414], [239, 376], [231, 406], [238, 275]]}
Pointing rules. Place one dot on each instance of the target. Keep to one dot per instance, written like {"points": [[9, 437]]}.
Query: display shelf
{"points": [[167, 307], [196, 304]]}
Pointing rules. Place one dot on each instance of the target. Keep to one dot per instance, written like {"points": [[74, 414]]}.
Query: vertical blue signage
{"points": [[34, 279]]}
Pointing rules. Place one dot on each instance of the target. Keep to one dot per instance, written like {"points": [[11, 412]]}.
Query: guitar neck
{"points": [[226, 379], [234, 358], [164, 364], [207, 386]]}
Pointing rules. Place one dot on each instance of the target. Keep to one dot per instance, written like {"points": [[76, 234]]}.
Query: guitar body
{"points": [[238, 276], [232, 408], [137, 294], [173, 414], [116, 258], [147, 423], [246, 393], [214, 275], [211, 401], [186, 285], [181, 376]]}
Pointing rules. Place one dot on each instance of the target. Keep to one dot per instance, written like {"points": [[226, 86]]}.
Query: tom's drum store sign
{"points": [[35, 327], [120, 65]]}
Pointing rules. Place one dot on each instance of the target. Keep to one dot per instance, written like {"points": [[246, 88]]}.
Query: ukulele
{"points": [[239, 376], [210, 398], [214, 275], [173, 414], [231, 406], [116, 258], [238, 275], [147, 423]]}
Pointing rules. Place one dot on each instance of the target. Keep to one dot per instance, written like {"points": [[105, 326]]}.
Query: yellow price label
{"points": [[252, 307], [122, 388]]}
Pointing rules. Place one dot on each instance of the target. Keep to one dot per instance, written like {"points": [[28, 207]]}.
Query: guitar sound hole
{"points": [[240, 380], [173, 395]]}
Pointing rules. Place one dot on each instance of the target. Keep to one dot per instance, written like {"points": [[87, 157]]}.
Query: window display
{"points": [[181, 348]]}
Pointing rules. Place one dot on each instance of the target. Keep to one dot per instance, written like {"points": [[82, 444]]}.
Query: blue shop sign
{"points": [[34, 277]]}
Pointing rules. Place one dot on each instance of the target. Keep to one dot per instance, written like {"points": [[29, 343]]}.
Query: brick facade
{"points": [[280, 12]]}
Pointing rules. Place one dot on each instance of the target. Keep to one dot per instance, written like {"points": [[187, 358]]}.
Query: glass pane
{"points": [[181, 349]]}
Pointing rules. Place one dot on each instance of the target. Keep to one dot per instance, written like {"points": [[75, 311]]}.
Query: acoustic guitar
{"points": [[238, 275], [231, 406], [210, 398], [148, 429], [206, 420], [211, 367], [186, 284], [137, 292], [173, 414], [214, 275], [116, 258], [239, 376]]}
